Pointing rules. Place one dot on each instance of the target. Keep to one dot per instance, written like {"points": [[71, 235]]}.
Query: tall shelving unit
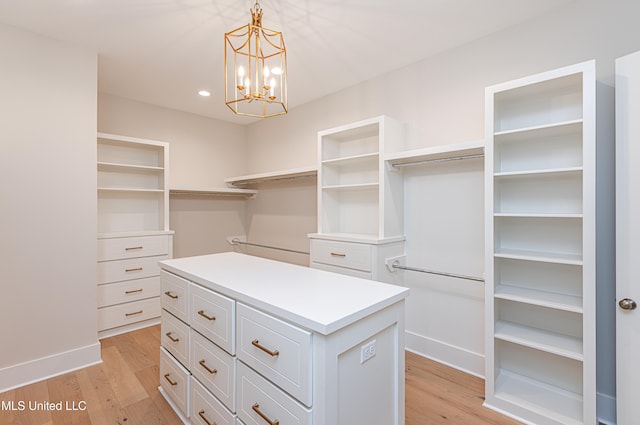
{"points": [[540, 243], [360, 199], [133, 230]]}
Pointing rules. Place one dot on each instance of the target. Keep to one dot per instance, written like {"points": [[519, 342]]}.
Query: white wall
{"points": [[442, 98], [203, 152], [48, 222], [282, 215]]}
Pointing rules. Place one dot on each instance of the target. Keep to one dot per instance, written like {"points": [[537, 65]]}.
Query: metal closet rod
{"points": [[447, 159], [238, 241], [459, 276]]}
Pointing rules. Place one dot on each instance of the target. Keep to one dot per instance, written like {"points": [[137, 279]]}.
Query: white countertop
{"points": [[320, 301]]}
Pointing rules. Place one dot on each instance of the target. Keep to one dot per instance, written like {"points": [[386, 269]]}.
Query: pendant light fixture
{"points": [[255, 62]]}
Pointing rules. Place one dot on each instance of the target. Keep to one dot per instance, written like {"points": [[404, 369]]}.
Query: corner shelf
{"points": [[295, 173]]}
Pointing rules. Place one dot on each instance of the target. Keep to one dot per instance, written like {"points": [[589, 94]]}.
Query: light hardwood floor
{"points": [[122, 390]]}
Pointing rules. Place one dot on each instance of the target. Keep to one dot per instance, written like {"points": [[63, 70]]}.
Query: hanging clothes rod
{"points": [[236, 241], [415, 269], [447, 159]]}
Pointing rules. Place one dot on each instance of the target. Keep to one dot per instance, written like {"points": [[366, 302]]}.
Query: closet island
{"points": [[247, 340]]}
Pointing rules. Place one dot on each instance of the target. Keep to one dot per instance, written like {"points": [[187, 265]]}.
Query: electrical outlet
{"points": [[367, 351]]}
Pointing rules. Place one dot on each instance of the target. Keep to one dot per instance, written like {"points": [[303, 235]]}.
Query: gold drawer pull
{"points": [[336, 254], [133, 291], [137, 269], [256, 408], [170, 295], [173, 383], [131, 248], [211, 371], [204, 418], [168, 334], [273, 353], [133, 314], [203, 314]]}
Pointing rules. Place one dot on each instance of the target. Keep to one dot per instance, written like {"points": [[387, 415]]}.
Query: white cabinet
{"points": [[540, 238], [299, 340], [133, 231], [360, 199]]}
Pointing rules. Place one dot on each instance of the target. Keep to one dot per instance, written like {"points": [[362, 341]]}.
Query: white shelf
{"points": [[356, 238], [353, 159], [542, 131], [113, 235], [294, 173], [549, 171], [554, 300], [545, 257], [436, 153], [538, 215], [550, 342], [224, 191], [556, 403], [127, 189], [347, 187], [127, 167]]}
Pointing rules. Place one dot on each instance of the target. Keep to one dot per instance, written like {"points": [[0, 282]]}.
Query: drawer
{"points": [[206, 409], [342, 270], [135, 268], [259, 401], [174, 292], [277, 350], [213, 315], [174, 337], [133, 247], [214, 368], [344, 254], [174, 380], [124, 314], [129, 290]]}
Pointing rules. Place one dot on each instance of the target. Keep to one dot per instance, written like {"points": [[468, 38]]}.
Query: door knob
{"points": [[627, 304]]}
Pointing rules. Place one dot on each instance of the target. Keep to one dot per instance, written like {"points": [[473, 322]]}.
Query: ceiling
{"points": [[164, 51]]}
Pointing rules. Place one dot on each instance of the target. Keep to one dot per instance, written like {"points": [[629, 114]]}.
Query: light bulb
{"points": [[272, 83], [266, 72], [240, 72]]}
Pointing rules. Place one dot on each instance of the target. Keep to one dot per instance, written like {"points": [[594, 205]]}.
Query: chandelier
{"points": [[255, 62]]}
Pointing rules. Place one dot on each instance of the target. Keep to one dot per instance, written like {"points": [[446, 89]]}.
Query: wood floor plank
{"points": [[102, 402], [123, 381], [65, 389], [37, 392], [8, 400]]}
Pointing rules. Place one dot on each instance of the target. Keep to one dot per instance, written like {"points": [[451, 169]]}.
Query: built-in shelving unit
{"points": [[294, 173], [132, 185], [360, 200], [133, 231], [354, 187], [540, 237]]}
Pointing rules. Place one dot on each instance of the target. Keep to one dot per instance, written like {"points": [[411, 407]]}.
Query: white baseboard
{"points": [[456, 357], [47, 367]]}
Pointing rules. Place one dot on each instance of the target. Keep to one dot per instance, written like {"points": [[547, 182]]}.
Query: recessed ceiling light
{"points": [[204, 93]]}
